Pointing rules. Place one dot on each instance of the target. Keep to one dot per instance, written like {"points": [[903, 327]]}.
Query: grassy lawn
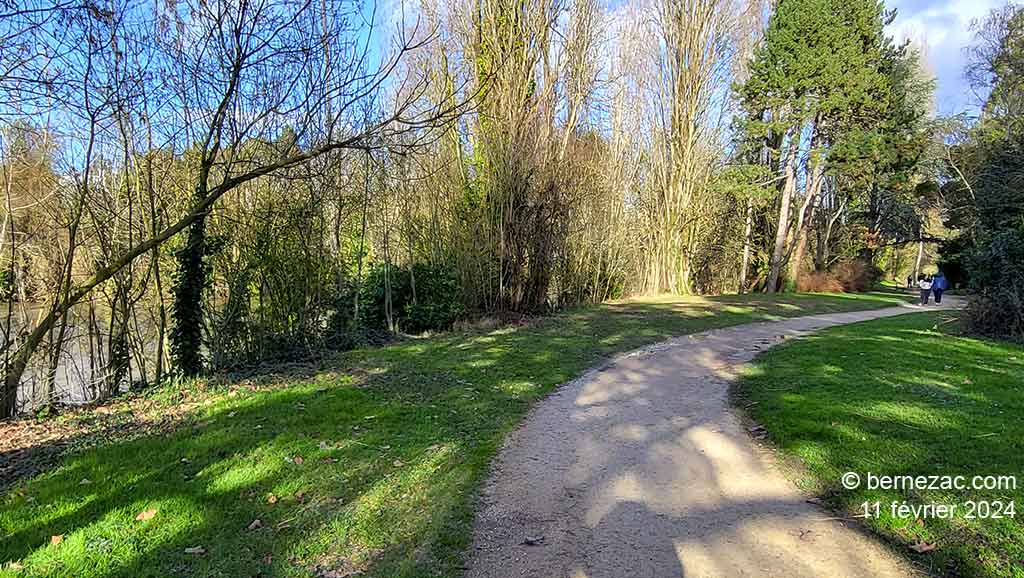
{"points": [[902, 396], [368, 463]]}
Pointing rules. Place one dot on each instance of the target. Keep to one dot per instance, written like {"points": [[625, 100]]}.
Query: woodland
{"points": [[193, 187]]}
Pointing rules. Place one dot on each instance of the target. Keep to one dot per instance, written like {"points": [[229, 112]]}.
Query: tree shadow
{"points": [[640, 469], [423, 417], [917, 403]]}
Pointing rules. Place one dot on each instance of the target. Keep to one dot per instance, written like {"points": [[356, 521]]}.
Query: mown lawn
{"points": [[370, 463], [904, 396]]}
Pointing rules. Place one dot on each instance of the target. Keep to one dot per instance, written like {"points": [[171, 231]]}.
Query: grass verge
{"points": [[369, 464], [905, 396]]}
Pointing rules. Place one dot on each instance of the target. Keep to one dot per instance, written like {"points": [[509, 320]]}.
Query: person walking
{"points": [[925, 285], [939, 284]]}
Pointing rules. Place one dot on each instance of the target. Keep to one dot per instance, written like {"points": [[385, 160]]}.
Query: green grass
{"points": [[903, 396], [394, 443]]}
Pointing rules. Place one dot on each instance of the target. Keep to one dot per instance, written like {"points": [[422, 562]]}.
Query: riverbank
{"points": [[367, 462]]}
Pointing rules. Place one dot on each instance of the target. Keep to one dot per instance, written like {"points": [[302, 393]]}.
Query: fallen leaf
{"points": [[967, 381], [300, 496], [922, 547], [57, 539], [147, 515], [397, 463], [85, 482], [255, 524], [268, 560], [271, 499], [297, 460], [195, 550], [325, 446]]}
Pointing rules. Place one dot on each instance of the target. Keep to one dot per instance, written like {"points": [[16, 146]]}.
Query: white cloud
{"points": [[943, 28]]}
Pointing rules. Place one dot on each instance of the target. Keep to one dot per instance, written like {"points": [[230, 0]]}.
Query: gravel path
{"points": [[639, 469]]}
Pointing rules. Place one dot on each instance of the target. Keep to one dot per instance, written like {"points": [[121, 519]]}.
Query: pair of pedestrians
{"points": [[928, 285]]}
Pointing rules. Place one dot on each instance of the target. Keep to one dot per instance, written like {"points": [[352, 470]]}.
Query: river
{"points": [[80, 375]]}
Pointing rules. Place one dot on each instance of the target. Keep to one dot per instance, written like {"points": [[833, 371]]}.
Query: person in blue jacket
{"points": [[939, 284]]}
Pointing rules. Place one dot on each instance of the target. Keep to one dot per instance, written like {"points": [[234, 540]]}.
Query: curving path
{"points": [[639, 469]]}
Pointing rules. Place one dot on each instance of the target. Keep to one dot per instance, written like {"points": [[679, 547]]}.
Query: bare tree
{"points": [[224, 75]]}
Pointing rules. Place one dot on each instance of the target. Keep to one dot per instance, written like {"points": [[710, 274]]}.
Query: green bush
{"points": [[6, 285], [996, 272], [954, 259], [433, 306]]}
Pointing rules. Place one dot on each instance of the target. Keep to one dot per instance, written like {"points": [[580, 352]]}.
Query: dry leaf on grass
{"points": [[57, 539], [271, 499], [147, 515], [256, 524], [922, 547], [195, 550]]}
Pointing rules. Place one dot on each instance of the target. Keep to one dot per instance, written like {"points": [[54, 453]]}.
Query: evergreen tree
{"points": [[827, 95]]}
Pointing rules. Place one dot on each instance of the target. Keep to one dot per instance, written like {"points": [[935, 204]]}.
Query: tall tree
{"points": [[228, 74], [815, 79]]}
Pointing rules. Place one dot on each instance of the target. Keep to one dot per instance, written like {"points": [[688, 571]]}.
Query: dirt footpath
{"points": [[639, 469]]}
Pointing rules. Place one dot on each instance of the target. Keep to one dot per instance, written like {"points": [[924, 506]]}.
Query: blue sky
{"points": [[943, 27]]}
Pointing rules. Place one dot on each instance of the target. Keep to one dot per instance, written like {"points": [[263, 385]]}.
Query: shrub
{"points": [[6, 285], [857, 275], [435, 305], [996, 307], [819, 282], [954, 259]]}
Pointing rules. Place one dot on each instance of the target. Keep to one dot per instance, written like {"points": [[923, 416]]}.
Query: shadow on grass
{"points": [[389, 461], [897, 397]]}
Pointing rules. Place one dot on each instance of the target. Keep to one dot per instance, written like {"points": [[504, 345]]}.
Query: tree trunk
{"points": [[917, 263], [779, 251], [747, 237], [804, 222], [187, 308]]}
